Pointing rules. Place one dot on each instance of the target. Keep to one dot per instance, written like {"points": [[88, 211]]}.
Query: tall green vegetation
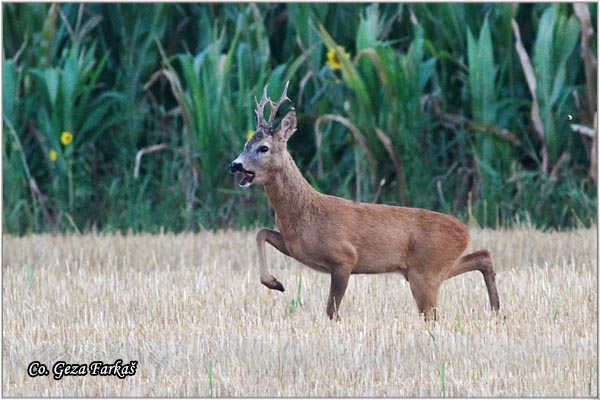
{"points": [[485, 111]]}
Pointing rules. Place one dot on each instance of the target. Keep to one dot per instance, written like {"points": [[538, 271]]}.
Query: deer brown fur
{"points": [[342, 237]]}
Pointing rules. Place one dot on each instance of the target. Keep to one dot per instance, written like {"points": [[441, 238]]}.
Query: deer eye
{"points": [[262, 149]]}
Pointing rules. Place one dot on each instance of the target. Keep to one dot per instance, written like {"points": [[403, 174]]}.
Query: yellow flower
{"points": [[249, 135], [66, 138], [53, 155], [333, 59]]}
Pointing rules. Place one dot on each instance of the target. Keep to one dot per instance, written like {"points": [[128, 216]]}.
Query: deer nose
{"points": [[236, 167]]}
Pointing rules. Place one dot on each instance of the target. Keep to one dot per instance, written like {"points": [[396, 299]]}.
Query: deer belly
{"points": [[380, 261], [379, 268]]}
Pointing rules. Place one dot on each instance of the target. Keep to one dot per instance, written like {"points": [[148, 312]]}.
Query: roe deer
{"points": [[342, 237]]}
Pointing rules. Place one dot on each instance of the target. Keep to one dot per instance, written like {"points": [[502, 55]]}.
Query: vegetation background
{"points": [[122, 117]]}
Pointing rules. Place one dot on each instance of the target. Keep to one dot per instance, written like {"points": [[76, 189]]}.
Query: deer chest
{"points": [[307, 252]]}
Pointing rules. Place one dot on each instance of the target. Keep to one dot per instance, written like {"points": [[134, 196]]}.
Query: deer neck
{"points": [[290, 195]]}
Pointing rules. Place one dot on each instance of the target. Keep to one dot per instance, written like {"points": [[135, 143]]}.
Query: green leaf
{"points": [[368, 29], [542, 58], [568, 32], [557, 37], [9, 88], [51, 77], [70, 73], [96, 120], [69, 78], [482, 75], [304, 28]]}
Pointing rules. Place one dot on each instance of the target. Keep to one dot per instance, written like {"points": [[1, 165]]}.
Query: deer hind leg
{"points": [[425, 291], [479, 261], [276, 240]]}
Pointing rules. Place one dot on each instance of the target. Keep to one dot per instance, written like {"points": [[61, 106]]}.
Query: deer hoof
{"points": [[274, 284], [279, 286]]}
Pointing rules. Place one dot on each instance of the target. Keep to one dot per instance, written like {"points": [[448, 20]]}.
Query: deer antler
{"points": [[261, 122], [260, 108]]}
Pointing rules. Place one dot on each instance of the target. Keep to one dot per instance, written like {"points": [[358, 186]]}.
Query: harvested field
{"points": [[191, 311]]}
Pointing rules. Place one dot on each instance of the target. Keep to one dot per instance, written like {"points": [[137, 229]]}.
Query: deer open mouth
{"points": [[235, 167], [247, 179]]}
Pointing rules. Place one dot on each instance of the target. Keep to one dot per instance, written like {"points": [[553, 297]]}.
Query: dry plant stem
{"points": [[590, 62], [564, 159], [41, 198], [303, 83], [146, 150], [594, 151], [375, 60], [451, 120], [66, 23], [360, 138], [591, 73], [584, 130], [376, 195], [32, 183], [176, 89], [387, 143], [38, 137], [535, 108]]}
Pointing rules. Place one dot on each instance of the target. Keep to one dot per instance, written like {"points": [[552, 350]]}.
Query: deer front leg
{"points": [[425, 291], [339, 283], [276, 240]]}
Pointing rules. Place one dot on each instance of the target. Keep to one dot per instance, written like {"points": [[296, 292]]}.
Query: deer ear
{"points": [[287, 126]]}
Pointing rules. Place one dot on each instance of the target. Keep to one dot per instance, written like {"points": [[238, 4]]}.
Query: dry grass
{"points": [[191, 310]]}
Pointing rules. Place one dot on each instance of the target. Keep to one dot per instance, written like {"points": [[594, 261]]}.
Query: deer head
{"points": [[264, 153]]}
